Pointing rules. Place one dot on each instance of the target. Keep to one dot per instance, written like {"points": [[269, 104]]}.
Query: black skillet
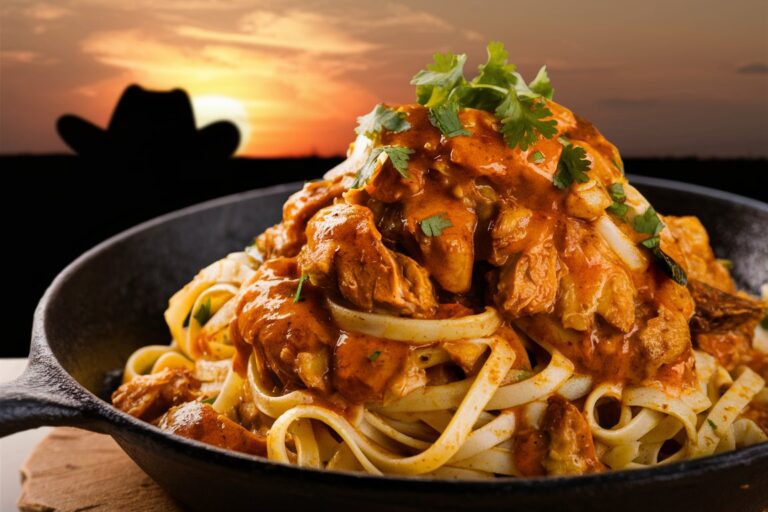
{"points": [[110, 301]]}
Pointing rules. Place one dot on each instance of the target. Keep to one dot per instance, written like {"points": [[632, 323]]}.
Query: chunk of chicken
{"points": [[724, 323], [698, 259], [199, 421], [515, 229], [344, 251], [571, 447], [449, 257], [664, 338], [287, 237], [296, 335], [147, 397], [527, 284], [368, 369]]}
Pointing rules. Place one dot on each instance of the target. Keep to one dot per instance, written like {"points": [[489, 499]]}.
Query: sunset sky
{"points": [[658, 77]]}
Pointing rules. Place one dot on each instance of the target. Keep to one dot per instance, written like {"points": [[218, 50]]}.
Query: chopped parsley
{"points": [[397, 155], [210, 400], [375, 355], [617, 207], [573, 166], [435, 224], [649, 223], [537, 157], [299, 288], [498, 88], [712, 424], [380, 117], [203, 313]]}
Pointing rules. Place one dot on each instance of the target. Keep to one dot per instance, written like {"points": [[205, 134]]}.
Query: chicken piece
{"points": [[587, 201], [365, 367], [345, 251], [449, 257], [571, 447], [595, 282], [199, 421], [530, 452], [147, 397], [296, 335], [724, 323], [718, 311], [516, 229], [697, 257], [528, 284], [287, 237], [664, 339]]}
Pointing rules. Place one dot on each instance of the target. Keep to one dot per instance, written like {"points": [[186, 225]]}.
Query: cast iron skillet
{"points": [[110, 301]]}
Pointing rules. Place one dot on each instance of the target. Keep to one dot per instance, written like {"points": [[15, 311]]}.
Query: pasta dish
{"points": [[476, 292]]}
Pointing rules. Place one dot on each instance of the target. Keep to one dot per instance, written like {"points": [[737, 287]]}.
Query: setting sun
{"points": [[209, 109]]}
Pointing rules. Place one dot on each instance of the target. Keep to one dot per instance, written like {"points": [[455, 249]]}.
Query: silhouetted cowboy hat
{"points": [[150, 125]]}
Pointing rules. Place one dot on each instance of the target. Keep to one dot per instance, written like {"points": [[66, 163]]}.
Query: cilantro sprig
{"points": [[617, 207], [497, 88], [397, 155], [573, 166], [435, 224], [203, 313], [380, 117], [650, 223], [298, 298]]}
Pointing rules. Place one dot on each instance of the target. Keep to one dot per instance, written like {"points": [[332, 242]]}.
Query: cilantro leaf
{"points": [[210, 400], [435, 224], [375, 355], [648, 222], [522, 120], [616, 191], [764, 321], [668, 265], [398, 156], [435, 83], [712, 424], [537, 157], [298, 297], [203, 313], [496, 70], [573, 166], [541, 84], [380, 117], [445, 118], [618, 209]]}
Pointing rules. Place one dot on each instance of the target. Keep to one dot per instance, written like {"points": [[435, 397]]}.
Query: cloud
{"points": [[753, 68], [46, 12], [293, 30], [24, 57]]}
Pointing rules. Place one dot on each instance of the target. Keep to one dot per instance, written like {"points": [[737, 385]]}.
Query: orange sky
{"points": [[659, 78]]}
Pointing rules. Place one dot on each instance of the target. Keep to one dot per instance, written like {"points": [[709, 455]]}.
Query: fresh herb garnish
{"points": [[203, 313], [380, 117], [764, 321], [712, 424], [375, 355], [397, 155], [617, 207], [298, 297], [445, 118], [497, 88], [649, 223], [435, 224], [210, 400], [537, 157], [573, 166]]}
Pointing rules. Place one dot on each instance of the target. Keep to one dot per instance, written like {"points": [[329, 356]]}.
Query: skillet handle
{"points": [[33, 400]]}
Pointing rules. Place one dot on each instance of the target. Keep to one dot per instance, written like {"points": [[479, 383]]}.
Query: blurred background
{"points": [[680, 87]]}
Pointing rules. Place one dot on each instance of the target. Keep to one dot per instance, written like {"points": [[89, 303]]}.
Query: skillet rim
{"points": [[117, 423]]}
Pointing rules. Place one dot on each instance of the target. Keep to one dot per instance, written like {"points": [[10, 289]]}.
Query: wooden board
{"points": [[75, 470]]}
